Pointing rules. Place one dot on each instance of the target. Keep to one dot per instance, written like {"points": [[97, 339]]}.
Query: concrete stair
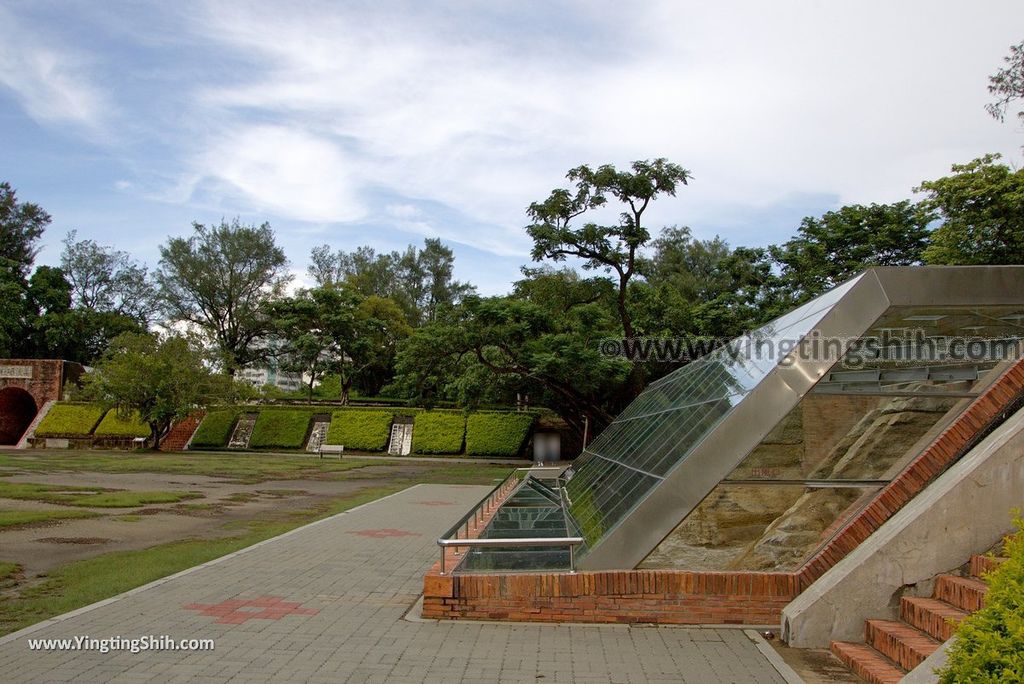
{"points": [[894, 647], [181, 432]]}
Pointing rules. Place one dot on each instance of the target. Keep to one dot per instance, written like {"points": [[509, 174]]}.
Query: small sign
{"points": [[55, 443], [23, 372]]}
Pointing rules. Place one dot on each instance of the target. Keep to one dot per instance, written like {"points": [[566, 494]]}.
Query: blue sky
{"points": [[382, 123]]}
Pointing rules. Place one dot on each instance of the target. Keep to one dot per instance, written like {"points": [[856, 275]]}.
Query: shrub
{"points": [[113, 425], [436, 432], [497, 434], [70, 420], [361, 429], [989, 644], [280, 428], [215, 430]]}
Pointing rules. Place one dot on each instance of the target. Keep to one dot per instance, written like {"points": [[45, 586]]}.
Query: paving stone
{"points": [[325, 604]]}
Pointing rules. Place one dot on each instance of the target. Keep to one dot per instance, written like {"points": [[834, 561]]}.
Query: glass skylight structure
{"points": [[775, 415]]}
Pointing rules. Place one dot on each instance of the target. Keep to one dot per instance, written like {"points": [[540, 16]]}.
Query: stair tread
{"points": [[906, 645], [868, 663], [931, 615]]}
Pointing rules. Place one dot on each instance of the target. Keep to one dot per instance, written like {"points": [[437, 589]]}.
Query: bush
{"points": [[361, 429], [113, 425], [989, 644], [70, 420], [497, 434], [215, 430], [280, 428], [436, 432]]}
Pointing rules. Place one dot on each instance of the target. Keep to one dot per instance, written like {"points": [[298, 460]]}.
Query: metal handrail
{"points": [[451, 537]]}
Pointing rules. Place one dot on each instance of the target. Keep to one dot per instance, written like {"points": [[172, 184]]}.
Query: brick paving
{"points": [[325, 603]]}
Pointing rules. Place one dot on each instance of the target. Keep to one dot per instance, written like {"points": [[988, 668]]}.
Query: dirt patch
{"points": [[815, 666], [73, 540]]}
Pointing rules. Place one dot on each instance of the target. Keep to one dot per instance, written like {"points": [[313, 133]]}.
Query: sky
{"points": [[383, 123]]}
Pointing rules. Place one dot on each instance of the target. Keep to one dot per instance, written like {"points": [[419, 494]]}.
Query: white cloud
{"points": [[285, 170], [49, 83]]}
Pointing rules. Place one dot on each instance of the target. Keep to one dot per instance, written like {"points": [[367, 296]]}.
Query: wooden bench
{"points": [[331, 449]]}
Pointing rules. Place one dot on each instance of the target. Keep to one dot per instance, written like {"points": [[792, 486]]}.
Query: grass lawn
{"points": [[88, 496], [11, 519], [82, 582]]}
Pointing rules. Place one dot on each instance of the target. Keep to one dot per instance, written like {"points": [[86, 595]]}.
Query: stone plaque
{"points": [[54, 443], [24, 372]]}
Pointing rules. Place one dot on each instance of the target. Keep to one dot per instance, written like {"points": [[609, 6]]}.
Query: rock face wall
{"points": [[774, 526]]}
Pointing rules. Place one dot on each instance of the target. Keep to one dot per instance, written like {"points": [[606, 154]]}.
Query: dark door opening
{"points": [[17, 409]]}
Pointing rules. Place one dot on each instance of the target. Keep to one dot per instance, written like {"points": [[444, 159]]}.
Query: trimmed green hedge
{"points": [[436, 432], [72, 420], [989, 644], [497, 434], [113, 425], [280, 428], [361, 429], [215, 430]]}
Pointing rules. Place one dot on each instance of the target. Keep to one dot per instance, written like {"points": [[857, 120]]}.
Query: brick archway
{"points": [[17, 409], [25, 386]]}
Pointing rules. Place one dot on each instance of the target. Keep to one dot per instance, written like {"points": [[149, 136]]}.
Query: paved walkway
{"points": [[325, 604]]}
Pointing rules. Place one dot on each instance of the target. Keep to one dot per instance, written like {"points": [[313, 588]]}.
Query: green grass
{"points": [[113, 425], [281, 428], [246, 468], [17, 518], [361, 429], [83, 582], [497, 434], [88, 496], [128, 518], [70, 420], [437, 432], [215, 430]]}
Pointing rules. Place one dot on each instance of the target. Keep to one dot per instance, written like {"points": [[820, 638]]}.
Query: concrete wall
{"points": [[966, 510]]}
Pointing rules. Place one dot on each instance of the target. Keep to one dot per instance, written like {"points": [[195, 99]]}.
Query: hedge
{"points": [[113, 425], [361, 429], [215, 430], [435, 432], [989, 645], [497, 434], [72, 420], [280, 428]]}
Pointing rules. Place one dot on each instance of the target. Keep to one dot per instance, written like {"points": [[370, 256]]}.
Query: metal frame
{"points": [[652, 518]]}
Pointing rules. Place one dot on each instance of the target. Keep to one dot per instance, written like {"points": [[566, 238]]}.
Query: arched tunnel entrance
{"points": [[17, 409]]}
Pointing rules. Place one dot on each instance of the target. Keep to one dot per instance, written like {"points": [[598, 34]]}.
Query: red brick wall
{"points": [[682, 597], [47, 378]]}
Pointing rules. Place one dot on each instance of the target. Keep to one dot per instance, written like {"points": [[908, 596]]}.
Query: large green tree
{"points": [[21, 226], [981, 206], [163, 378], [221, 280], [609, 247], [104, 279], [829, 250], [421, 281]]}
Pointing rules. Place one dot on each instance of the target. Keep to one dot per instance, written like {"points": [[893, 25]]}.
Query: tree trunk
{"points": [[346, 385], [154, 429]]}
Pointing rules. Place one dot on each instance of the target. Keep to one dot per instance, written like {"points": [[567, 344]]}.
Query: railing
{"points": [[477, 515]]}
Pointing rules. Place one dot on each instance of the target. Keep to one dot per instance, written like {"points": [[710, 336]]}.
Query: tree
{"points": [[222, 280], [608, 247], [829, 250], [21, 225], [1007, 84], [162, 378], [419, 280], [981, 206], [104, 279]]}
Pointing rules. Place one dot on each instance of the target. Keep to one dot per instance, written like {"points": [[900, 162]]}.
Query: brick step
{"points": [[936, 618], [984, 564], [867, 663], [965, 593], [899, 642], [181, 432]]}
